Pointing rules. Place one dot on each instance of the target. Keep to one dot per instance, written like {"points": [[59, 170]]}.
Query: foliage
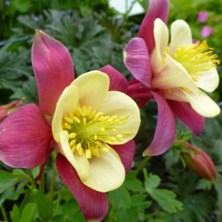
{"points": [[161, 189]]}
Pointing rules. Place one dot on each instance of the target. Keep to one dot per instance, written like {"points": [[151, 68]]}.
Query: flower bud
{"points": [[200, 162], [6, 109]]}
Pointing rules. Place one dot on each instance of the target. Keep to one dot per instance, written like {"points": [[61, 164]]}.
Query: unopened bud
{"points": [[200, 162], [6, 109]]}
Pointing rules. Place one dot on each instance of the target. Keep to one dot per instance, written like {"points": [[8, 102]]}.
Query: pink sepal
{"points": [[137, 60], [126, 153], [200, 162], [117, 81], [93, 204], [165, 130], [188, 116], [25, 137], [157, 9], [53, 68]]}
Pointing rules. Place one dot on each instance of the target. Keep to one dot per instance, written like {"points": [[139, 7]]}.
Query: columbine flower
{"points": [[200, 162], [91, 122], [174, 73], [206, 31], [202, 16]]}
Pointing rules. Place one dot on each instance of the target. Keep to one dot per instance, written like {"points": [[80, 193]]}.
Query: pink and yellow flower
{"points": [[89, 120], [174, 73]]}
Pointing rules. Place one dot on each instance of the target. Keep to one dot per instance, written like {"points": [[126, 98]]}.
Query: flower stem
{"points": [[4, 214], [142, 164], [52, 185]]}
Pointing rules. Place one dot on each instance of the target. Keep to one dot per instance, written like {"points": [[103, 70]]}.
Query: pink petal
{"points": [[202, 16], [165, 130], [25, 137], [157, 9], [137, 60], [93, 204], [188, 116], [117, 81], [206, 31], [53, 68], [126, 153]]}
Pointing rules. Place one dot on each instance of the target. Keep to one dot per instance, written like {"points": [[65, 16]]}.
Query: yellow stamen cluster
{"points": [[196, 58], [91, 132]]}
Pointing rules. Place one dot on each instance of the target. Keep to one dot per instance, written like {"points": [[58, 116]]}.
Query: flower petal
{"points": [[161, 36], [209, 80], [117, 81], [180, 34], [173, 76], [53, 68], [106, 172], [203, 104], [157, 9], [165, 130], [93, 204], [67, 103], [136, 58], [80, 163], [126, 153], [120, 104], [93, 88], [188, 116], [206, 31], [25, 137]]}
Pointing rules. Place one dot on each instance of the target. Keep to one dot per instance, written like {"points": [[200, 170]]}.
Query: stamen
{"points": [[91, 133], [196, 58]]}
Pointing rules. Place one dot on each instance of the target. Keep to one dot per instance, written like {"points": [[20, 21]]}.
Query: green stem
{"points": [[52, 185], [142, 164], [42, 183], [31, 178], [4, 214]]}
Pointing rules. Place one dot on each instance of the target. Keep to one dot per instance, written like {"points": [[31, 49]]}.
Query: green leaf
{"points": [[28, 213], [15, 214], [28, 90], [165, 198], [132, 183], [7, 180], [152, 182], [66, 212], [22, 5], [44, 206], [119, 198], [204, 184]]}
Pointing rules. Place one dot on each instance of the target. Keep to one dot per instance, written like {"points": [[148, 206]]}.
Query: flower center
{"points": [[196, 58], [91, 132]]}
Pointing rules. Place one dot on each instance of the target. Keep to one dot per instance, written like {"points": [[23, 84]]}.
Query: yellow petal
{"points": [[106, 172], [180, 34], [173, 76], [80, 163], [176, 94], [161, 36], [67, 103], [209, 80], [93, 88], [120, 104], [203, 104]]}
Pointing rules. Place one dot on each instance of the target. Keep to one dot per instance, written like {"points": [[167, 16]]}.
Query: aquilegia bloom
{"points": [[88, 120], [173, 73], [206, 31]]}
